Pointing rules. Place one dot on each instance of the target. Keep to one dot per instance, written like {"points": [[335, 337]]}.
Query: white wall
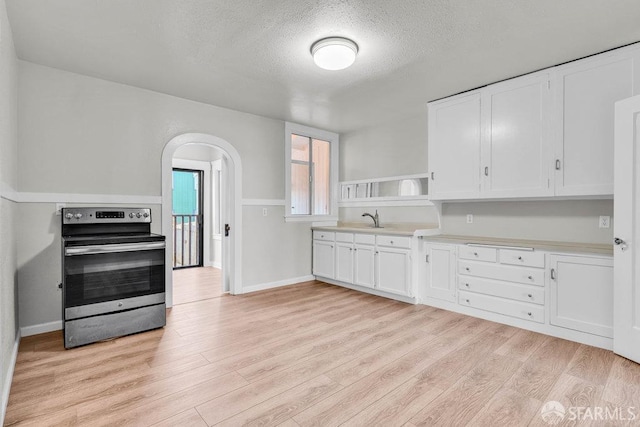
{"points": [[8, 184], [85, 135], [400, 148]]}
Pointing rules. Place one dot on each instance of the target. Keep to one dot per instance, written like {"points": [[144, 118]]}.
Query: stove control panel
{"points": [[105, 215]]}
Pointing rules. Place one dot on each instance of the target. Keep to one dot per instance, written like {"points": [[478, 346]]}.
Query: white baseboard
{"points": [[27, 331], [6, 389], [279, 283], [216, 264]]}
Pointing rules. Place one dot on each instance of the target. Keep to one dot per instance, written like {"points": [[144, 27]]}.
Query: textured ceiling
{"points": [[253, 56]]}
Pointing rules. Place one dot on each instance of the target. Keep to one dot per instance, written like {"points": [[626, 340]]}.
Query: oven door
{"points": [[100, 273]]}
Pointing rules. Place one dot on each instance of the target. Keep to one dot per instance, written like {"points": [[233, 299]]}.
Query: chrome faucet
{"points": [[376, 223]]}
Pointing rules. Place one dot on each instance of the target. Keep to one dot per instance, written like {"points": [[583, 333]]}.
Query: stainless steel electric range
{"points": [[113, 274]]}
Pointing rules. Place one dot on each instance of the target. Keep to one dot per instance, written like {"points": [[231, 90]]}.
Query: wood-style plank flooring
{"points": [[315, 354], [196, 284]]}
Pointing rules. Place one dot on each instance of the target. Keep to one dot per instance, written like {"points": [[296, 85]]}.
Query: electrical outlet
{"points": [[264, 211], [59, 207], [469, 219], [605, 222]]}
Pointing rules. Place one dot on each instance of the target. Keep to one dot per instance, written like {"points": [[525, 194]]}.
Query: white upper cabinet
{"points": [[515, 146], [548, 133], [454, 147], [586, 93]]}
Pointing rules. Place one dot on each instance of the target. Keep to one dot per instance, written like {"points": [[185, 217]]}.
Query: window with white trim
{"points": [[311, 173]]}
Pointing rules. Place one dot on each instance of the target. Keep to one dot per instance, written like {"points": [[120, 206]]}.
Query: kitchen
{"points": [[64, 122]]}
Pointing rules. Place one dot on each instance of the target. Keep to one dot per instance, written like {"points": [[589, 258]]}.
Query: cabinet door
{"points": [[587, 92], [364, 265], [516, 149], [323, 259], [581, 295], [441, 272], [394, 270], [344, 262], [454, 148]]}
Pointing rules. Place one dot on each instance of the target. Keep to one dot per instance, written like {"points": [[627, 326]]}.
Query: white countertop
{"points": [[431, 232]]}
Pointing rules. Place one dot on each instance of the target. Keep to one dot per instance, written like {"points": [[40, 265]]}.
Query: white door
{"points": [[586, 93], [364, 266], [454, 148], [626, 316], [441, 272], [323, 259], [394, 270], [344, 262], [516, 148], [225, 219]]}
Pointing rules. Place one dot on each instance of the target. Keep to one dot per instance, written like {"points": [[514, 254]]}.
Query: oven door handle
{"points": [[112, 248]]}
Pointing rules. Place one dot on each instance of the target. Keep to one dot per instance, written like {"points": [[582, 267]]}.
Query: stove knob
{"points": [[146, 214], [131, 215], [138, 215], [78, 215], [69, 215]]}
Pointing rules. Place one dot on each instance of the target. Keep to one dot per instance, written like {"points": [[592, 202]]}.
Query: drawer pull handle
{"points": [[530, 296], [519, 258], [475, 253], [392, 242], [466, 284], [467, 268], [529, 314], [468, 302], [530, 277]]}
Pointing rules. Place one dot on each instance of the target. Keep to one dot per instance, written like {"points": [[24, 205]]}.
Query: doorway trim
{"points": [[233, 263]]}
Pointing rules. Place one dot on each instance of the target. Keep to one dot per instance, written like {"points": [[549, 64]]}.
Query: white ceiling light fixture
{"points": [[334, 53]]}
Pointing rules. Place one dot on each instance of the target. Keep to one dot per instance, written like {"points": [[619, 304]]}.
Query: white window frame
{"points": [[334, 145]]}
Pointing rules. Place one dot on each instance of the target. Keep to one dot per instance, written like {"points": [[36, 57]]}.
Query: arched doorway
{"points": [[231, 245]]}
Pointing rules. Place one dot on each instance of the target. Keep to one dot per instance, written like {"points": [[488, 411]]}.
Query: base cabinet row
{"points": [[364, 260], [569, 291]]}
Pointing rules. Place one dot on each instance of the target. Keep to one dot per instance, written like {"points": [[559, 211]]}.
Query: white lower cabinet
{"points": [[381, 263], [581, 293], [441, 272], [324, 258], [344, 262], [364, 266], [394, 270]]}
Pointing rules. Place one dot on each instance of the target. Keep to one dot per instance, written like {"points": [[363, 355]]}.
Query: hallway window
{"points": [[311, 173]]}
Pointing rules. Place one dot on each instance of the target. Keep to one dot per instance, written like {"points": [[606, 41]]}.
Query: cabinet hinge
{"points": [[548, 84], [426, 259]]}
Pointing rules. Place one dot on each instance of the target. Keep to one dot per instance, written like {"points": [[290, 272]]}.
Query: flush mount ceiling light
{"points": [[334, 53]]}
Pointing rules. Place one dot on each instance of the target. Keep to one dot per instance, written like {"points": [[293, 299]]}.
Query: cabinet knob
{"points": [[475, 254], [530, 296], [468, 302], [467, 268], [529, 314], [350, 249], [519, 258], [392, 242], [466, 284], [530, 277]]}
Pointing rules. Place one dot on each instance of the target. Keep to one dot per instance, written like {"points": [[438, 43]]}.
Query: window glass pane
{"points": [[321, 176], [300, 148], [300, 189]]}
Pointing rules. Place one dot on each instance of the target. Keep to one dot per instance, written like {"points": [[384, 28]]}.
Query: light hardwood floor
{"points": [[196, 284], [315, 354]]}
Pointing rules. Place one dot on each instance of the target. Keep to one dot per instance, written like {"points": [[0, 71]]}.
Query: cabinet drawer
{"points": [[365, 239], [324, 235], [478, 253], [525, 258], [394, 241], [344, 237], [526, 275], [521, 310], [515, 291]]}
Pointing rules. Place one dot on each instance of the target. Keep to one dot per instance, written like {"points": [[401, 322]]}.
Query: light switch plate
{"points": [[469, 219], [264, 211], [605, 222]]}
